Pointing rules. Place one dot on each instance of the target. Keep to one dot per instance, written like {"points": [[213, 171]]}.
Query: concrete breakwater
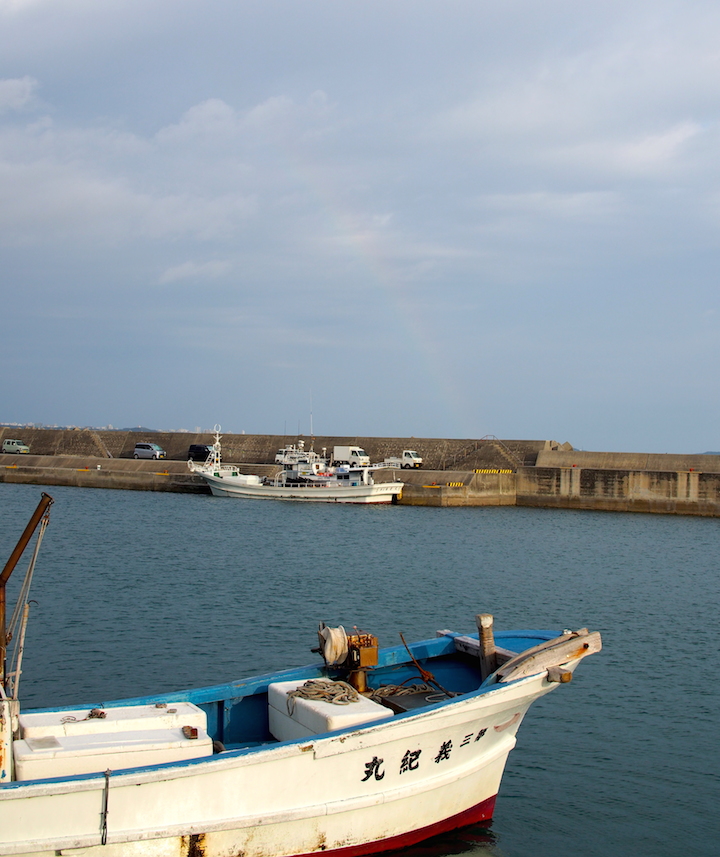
{"points": [[438, 454], [83, 471], [483, 472]]}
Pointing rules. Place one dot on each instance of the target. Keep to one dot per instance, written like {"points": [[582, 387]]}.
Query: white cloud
{"points": [[657, 155], [276, 116], [103, 184], [47, 201], [10, 7], [543, 204], [213, 116], [195, 271], [656, 151], [276, 109], [16, 93]]}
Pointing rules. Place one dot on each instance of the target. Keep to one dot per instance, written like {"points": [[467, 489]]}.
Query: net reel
{"points": [[352, 653]]}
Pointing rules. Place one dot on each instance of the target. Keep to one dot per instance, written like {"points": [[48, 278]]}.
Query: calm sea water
{"points": [[139, 592]]}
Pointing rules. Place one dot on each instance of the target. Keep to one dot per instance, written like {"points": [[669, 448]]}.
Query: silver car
{"points": [[149, 450]]}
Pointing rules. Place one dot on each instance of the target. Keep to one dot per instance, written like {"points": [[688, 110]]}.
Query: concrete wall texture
{"points": [[626, 460], [484, 472], [439, 454], [663, 491]]}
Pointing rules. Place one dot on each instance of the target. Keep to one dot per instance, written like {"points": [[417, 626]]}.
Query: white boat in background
{"points": [[297, 454], [365, 751], [306, 475]]}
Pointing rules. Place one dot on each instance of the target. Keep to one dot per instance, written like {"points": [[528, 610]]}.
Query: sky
{"points": [[408, 218]]}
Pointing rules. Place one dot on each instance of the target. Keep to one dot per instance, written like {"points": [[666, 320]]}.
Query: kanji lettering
{"points": [[373, 769], [444, 751], [410, 761]]}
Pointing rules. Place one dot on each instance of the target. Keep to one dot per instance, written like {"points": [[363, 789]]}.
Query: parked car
{"points": [[11, 445], [149, 450], [199, 452]]}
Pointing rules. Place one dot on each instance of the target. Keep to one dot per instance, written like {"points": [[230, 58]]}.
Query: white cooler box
{"points": [[126, 718], [53, 744], [311, 717]]}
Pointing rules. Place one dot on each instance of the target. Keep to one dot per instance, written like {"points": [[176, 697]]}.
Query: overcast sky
{"points": [[429, 218]]}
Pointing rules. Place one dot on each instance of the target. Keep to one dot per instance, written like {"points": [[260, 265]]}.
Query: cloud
{"points": [[49, 201], [9, 7], [204, 176], [103, 184], [216, 124], [195, 271], [16, 93], [649, 155], [211, 117]]}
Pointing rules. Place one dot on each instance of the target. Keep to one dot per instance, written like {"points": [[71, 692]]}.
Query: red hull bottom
{"points": [[482, 812]]}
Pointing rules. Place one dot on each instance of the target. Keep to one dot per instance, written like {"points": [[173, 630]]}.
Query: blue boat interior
{"points": [[237, 713]]}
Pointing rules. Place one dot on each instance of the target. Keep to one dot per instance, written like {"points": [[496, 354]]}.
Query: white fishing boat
{"points": [[306, 475], [364, 751]]}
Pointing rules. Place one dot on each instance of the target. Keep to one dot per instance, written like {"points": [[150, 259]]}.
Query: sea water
{"points": [[140, 592]]}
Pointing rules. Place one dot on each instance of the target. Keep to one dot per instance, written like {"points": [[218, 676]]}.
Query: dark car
{"points": [[199, 452]]}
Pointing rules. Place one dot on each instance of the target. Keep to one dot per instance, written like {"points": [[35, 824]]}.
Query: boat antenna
{"points": [[312, 433], [40, 513], [217, 447]]}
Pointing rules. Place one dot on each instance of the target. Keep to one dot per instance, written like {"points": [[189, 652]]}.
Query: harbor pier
{"points": [[456, 472]]}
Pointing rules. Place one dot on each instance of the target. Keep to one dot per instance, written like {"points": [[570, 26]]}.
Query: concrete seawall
{"points": [[494, 473], [666, 492], [90, 472], [637, 461]]}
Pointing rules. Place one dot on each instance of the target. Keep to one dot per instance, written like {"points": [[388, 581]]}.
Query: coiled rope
{"points": [[319, 690], [93, 714], [386, 690], [399, 690]]}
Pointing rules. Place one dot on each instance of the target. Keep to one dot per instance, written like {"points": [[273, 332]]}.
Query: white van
{"points": [[10, 445]]}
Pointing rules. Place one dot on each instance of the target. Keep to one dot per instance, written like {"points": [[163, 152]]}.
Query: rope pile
{"points": [[335, 692], [379, 693]]}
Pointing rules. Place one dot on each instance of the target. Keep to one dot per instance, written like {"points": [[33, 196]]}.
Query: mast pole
{"points": [[45, 502]]}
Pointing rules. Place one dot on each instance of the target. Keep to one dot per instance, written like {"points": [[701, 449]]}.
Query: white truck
{"points": [[353, 456], [408, 459]]}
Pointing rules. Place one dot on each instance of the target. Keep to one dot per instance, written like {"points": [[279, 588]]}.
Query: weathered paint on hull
{"points": [[475, 815], [323, 838], [205, 845], [6, 731]]}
